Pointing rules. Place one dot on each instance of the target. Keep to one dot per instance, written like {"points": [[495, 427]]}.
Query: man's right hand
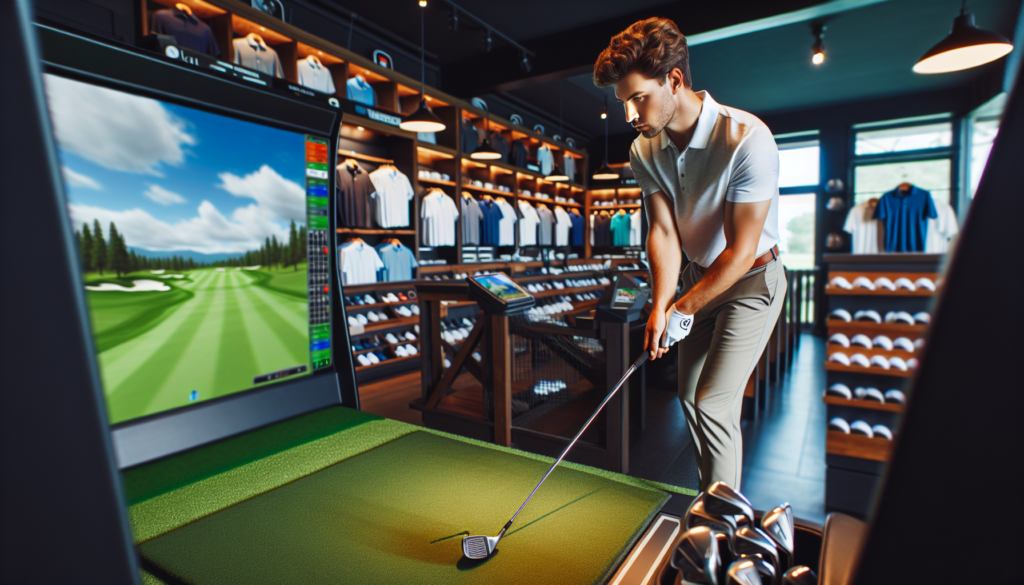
{"points": [[653, 334]]}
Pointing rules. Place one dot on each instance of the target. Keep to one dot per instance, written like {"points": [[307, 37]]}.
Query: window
{"points": [[799, 164], [902, 139], [871, 181], [983, 126], [796, 230]]}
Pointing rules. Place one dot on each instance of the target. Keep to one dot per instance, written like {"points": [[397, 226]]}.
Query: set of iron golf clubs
{"points": [[722, 544]]}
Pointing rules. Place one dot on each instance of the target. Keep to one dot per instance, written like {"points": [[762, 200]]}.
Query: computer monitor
{"points": [[202, 215], [497, 293]]}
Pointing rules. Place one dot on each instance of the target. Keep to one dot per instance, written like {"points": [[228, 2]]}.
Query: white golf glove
{"points": [[677, 329]]}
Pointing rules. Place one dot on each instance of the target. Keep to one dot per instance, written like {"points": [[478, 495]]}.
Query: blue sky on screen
{"points": [[174, 178]]}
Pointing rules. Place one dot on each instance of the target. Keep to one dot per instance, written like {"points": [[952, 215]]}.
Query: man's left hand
{"points": [[678, 327]]}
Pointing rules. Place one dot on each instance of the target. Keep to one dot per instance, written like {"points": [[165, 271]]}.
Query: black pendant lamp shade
{"points": [[966, 46], [484, 151], [422, 120], [557, 175]]}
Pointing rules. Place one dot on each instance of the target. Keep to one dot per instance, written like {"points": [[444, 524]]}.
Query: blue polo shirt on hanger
{"points": [[906, 218]]}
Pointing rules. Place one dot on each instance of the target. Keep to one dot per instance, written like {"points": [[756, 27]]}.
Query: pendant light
{"points": [[484, 150], [557, 174], [422, 120], [966, 46], [605, 172], [818, 51]]}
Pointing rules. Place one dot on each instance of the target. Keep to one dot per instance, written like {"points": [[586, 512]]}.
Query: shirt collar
{"points": [[254, 44], [182, 14], [705, 123]]}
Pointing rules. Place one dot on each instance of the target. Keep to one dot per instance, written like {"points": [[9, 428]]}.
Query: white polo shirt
{"points": [[731, 157]]}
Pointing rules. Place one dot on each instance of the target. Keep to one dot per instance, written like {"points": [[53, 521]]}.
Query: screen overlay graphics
{"points": [[203, 243]]}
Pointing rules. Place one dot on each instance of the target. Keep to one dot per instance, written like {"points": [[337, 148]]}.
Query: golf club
{"points": [[481, 547], [751, 541], [764, 568], [697, 515], [725, 555], [778, 524], [696, 556], [722, 500], [742, 572], [799, 575]]}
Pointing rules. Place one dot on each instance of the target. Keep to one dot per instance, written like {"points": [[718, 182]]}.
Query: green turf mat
{"points": [[396, 514], [148, 481]]}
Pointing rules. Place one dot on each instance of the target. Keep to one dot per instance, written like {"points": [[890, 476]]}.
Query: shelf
{"points": [[365, 157], [393, 360], [549, 201], [436, 151], [620, 206], [869, 404], [568, 291], [379, 305], [863, 292], [832, 348], [872, 328], [466, 186], [543, 277], [437, 182], [874, 370], [376, 232], [859, 446], [391, 324]]}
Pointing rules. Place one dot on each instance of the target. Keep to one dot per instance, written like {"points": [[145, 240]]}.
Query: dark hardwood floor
{"points": [[783, 448]]}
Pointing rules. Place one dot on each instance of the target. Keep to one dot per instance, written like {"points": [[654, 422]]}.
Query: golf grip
{"points": [[636, 365]]}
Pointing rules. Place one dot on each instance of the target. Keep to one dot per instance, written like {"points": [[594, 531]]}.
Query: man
{"points": [[710, 180]]}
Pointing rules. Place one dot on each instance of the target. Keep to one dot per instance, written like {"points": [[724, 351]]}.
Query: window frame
{"points": [[799, 140]]}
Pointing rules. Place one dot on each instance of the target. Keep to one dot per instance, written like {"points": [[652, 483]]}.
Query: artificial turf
{"points": [[212, 333], [396, 514]]}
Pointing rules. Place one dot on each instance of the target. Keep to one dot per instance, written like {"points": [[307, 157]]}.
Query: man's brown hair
{"points": [[651, 47]]}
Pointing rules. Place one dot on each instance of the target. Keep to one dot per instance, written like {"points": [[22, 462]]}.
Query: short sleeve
{"points": [[409, 194], [880, 212], [851, 221], [643, 178], [930, 209], [755, 171], [377, 262]]}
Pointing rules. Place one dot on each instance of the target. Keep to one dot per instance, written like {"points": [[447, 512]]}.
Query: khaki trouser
{"points": [[715, 361]]}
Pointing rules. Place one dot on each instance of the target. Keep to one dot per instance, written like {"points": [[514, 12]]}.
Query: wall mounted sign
{"points": [[383, 59], [539, 129], [516, 119], [272, 7]]}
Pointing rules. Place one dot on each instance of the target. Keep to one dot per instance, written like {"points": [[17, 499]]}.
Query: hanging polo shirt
{"points": [[471, 218], [865, 231], [941, 230], [528, 224], [518, 155], [391, 197], [358, 263], [489, 223], [732, 156], [507, 226], [438, 213], [468, 136], [545, 160], [545, 227], [315, 76], [562, 226], [634, 228], [262, 58], [620, 229], [499, 143], [358, 90], [570, 168], [188, 31], [354, 188], [577, 228], [398, 260], [905, 216]]}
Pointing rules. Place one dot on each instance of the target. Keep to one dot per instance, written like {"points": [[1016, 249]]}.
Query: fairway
{"points": [[211, 333]]}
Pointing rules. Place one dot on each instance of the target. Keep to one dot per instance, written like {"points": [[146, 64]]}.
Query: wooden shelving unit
{"points": [[869, 404], [874, 370], [858, 446]]}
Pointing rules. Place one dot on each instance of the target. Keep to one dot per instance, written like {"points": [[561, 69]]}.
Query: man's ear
{"points": [[675, 80]]}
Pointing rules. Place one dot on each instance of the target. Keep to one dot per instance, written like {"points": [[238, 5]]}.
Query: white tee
{"points": [[358, 263], [562, 225], [732, 156], [528, 224], [866, 231], [315, 76], [634, 228], [439, 213], [392, 195], [507, 223], [941, 230]]}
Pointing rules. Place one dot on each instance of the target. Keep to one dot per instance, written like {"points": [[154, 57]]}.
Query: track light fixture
{"points": [[818, 53], [423, 3], [487, 41], [966, 46], [604, 114]]}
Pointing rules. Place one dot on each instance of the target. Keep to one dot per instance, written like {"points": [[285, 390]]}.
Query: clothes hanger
{"points": [[314, 60], [904, 186], [184, 8], [255, 37]]}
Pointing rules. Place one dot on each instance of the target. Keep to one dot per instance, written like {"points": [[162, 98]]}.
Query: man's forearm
{"points": [[724, 272], [666, 260]]}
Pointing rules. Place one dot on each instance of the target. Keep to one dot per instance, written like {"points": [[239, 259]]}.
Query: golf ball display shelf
{"points": [[866, 353]]}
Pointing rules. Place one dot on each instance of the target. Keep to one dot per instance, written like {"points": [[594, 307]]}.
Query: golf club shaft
{"points": [[636, 365]]}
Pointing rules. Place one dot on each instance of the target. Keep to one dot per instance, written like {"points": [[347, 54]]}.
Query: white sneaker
{"points": [[382, 316], [447, 336], [352, 321], [373, 316], [415, 309], [369, 300], [363, 361], [404, 311], [372, 357], [411, 349], [391, 338], [400, 351], [362, 319], [410, 336]]}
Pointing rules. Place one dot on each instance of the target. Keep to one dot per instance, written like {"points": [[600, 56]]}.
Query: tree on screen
{"points": [[85, 248], [99, 247], [118, 252]]}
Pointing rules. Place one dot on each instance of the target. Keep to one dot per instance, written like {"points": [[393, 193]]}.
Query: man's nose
{"points": [[631, 113]]}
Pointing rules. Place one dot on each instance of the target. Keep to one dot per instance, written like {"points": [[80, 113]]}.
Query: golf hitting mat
{"points": [[397, 514]]}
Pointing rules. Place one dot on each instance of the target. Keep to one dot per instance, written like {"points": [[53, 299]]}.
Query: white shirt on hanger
{"points": [[634, 228], [866, 230], [314, 75], [358, 263], [941, 230], [507, 224], [439, 213], [528, 224], [562, 226], [392, 197]]}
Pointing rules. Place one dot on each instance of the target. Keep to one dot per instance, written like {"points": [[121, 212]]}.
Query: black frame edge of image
{"points": [[62, 493]]}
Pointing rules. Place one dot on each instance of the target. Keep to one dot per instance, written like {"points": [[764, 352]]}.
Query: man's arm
{"points": [[743, 225], [666, 258]]}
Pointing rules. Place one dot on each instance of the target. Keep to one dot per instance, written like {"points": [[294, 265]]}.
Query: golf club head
{"points": [[778, 524], [696, 556], [742, 572], [697, 515], [764, 568], [722, 500], [478, 547], [751, 541], [799, 575], [725, 555]]}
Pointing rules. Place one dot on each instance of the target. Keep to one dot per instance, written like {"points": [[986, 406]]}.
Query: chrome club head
{"points": [[778, 524], [722, 500], [742, 572], [799, 575], [764, 568], [751, 541], [697, 515], [481, 547], [696, 556], [725, 555]]}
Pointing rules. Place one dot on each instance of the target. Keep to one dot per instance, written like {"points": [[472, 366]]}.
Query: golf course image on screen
{"points": [[192, 232]]}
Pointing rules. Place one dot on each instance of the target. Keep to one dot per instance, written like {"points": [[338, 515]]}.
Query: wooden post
{"points": [[616, 338], [501, 372]]}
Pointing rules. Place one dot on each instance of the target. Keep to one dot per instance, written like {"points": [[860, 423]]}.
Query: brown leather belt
{"points": [[772, 254]]}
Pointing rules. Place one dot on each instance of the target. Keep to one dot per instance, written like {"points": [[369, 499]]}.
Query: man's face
{"points": [[649, 105]]}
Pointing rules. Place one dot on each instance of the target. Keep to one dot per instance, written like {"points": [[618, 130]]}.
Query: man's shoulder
{"points": [[645, 147], [740, 123]]}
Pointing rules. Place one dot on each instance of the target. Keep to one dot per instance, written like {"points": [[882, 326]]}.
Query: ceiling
{"points": [[870, 48]]}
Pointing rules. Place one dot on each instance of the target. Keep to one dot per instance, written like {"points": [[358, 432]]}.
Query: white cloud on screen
{"points": [[75, 179], [115, 130], [275, 195], [158, 194]]}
